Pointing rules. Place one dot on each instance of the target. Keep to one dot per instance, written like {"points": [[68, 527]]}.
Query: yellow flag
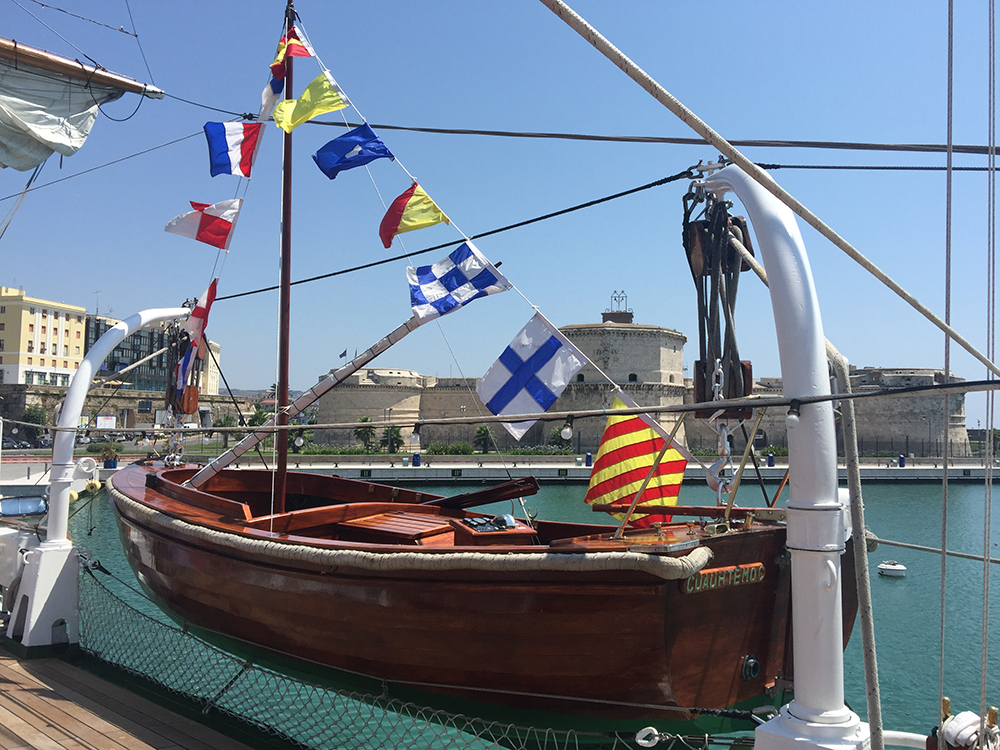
{"points": [[321, 96]]}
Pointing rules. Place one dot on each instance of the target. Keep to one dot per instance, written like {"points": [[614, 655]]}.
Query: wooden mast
{"points": [[284, 303]]}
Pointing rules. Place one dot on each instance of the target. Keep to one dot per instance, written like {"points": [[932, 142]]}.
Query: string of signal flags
{"points": [[233, 147], [533, 369]]}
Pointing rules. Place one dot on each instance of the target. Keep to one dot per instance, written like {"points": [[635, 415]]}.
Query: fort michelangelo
{"points": [[647, 362]]}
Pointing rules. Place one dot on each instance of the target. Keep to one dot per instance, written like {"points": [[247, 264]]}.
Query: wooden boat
{"points": [[415, 596], [557, 624]]}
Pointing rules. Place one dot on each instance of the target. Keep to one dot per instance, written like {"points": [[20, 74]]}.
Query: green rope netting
{"points": [[304, 714]]}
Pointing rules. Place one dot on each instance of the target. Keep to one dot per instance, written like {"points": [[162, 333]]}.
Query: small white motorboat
{"points": [[892, 569]]}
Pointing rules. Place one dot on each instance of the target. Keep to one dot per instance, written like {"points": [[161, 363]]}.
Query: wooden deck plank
{"points": [[36, 697], [29, 736], [35, 709], [48, 704], [157, 726], [9, 740]]}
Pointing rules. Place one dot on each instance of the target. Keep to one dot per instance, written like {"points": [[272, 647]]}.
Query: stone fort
{"points": [[647, 362]]}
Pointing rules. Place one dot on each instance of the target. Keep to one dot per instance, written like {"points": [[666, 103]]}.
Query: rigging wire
{"points": [[762, 165], [241, 115], [142, 52], [686, 174], [119, 29], [96, 64], [823, 145], [106, 164]]}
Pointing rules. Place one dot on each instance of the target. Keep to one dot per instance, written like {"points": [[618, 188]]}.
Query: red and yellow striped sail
{"points": [[629, 447]]}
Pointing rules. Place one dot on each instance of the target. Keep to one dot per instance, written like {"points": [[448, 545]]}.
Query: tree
{"points": [[226, 420], [557, 440], [484, 440], [35, 415], [259, 417], [392, 439], [365, 432]]}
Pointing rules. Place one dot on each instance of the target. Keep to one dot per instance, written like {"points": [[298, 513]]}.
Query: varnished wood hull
{"points": [[599, 649]]}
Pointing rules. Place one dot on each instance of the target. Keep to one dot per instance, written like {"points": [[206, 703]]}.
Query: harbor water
{"points": [[907, 610]]}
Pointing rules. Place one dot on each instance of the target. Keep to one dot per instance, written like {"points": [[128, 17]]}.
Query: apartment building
{"points": [[41, 342]]}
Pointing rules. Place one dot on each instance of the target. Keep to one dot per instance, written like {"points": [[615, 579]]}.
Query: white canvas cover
{"points": [[43, 112]]}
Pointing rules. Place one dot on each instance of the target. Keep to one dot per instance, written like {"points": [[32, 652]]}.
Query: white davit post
{"points": [[817, 717], [46, 613]]}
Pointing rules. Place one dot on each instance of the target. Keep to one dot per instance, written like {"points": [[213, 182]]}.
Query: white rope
{"points": [[689, 118], [991, 349], [947, 352], [392, 561]]}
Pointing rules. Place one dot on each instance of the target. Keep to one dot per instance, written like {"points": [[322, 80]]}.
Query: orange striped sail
{"points": [[629, 447]]}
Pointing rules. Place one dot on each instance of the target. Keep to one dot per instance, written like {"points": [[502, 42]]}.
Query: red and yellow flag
{"points": [[289, 46], [629, 447], [414, 209]]}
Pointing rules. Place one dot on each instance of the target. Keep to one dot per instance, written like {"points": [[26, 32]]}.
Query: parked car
{"points": [[44, 441], [9, 443], [23, 444]]}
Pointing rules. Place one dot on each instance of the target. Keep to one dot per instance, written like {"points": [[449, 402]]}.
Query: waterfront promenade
{"points": [[22, 474]]}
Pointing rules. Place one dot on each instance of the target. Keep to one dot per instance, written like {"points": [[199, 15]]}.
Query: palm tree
{"points": [[365, 432], [392, 439], [484, 440]]}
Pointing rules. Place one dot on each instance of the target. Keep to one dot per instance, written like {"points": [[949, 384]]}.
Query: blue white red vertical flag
{"points": [[212, 224], [463, 276], [530, 374], [232, 146], [270, 96], [183, 369]]}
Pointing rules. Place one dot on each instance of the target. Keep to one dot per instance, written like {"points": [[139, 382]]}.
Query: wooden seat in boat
{"points": [[398, 527]]}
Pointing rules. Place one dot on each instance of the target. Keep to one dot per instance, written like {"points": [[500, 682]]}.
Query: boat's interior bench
{"points": [[390, 523]]}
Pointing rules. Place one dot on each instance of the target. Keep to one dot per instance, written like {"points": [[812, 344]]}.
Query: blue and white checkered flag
{"points": [[455, 281]]}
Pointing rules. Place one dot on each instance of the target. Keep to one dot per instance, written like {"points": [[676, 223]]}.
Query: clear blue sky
{"points": [[846, 71]]}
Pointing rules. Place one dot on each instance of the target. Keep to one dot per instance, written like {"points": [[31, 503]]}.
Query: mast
{"points": [[284, 298]]}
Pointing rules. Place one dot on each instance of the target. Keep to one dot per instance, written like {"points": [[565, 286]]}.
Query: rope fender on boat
{"points": [[667, 568]]}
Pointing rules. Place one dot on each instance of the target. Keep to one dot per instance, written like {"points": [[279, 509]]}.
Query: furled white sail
{"points": [[42, 112]]}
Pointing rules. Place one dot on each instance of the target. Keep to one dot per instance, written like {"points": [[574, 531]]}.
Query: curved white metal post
{"points": [[46, 614], [69, 417], [815, 525]]}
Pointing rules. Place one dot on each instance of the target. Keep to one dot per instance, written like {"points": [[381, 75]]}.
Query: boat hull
{"points": [[602, 649]]}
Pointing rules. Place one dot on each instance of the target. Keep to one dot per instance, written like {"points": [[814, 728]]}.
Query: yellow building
{"points": [[41, 342]]}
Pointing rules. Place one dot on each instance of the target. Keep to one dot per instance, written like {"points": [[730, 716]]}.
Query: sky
{"points": [[845, 71]]}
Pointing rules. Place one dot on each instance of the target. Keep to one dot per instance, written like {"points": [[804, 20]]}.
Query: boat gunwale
{"points": [[265, 546]]}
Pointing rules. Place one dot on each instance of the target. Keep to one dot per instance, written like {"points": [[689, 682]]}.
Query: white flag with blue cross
{"points": [[463, 276], [530, 374]]}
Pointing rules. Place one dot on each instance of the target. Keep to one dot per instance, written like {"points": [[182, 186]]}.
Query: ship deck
{"points": [[50, 704]]}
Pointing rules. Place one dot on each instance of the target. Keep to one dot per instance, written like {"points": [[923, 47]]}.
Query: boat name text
{"points": [[718, 578]]}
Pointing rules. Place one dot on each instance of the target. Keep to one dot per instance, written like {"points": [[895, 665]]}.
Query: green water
{"points": [[907, 611]]}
